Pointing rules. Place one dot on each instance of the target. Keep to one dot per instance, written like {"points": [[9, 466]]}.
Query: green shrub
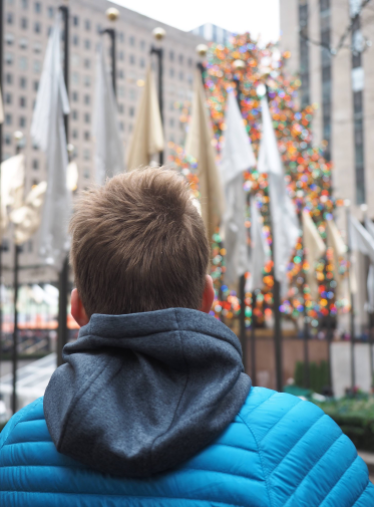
{"points": [[318, 375]]}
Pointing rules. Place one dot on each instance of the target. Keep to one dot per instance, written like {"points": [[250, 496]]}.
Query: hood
{"points": [[141, 393]]}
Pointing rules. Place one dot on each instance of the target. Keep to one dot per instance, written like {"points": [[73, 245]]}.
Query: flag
{"points": [[199, 146], [109, 159], [237, 156], [285, 224], [148, 135], [27, 218], [314, 249], [260, 250], [361, 239], [335, 241], [12, 186], [47, 130]]}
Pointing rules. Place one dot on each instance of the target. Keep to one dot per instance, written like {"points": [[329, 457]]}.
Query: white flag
{"points": [[27, 218], [109, 159], [148, 136], [361, 239], [48, 132], [285, 224], [370, 281], [260, 250], [12, 186], [199, 146], [314, 248], [237, 156]]}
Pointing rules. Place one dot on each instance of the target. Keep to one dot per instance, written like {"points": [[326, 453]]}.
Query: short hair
{"points": [[139, 244]]}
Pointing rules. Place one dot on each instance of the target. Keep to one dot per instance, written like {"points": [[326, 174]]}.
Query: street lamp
{"points": [[159, 34]]}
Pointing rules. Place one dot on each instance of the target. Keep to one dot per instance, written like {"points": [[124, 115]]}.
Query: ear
{"points": [[208, 295], [77, 309]]}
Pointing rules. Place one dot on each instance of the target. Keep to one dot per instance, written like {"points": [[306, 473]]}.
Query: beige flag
{"points": [[27, 218], [335, 241], [314, 249], [12, 186], [148, 135], [1, 108], [199, 145]]}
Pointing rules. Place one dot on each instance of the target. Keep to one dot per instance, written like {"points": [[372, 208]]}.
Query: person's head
{"points": [[139, 245]]}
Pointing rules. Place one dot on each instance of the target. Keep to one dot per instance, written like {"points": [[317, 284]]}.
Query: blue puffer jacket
{"points": [[279, 451], [154, 410]]}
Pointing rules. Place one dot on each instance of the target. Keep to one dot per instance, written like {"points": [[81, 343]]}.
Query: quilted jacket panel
{"points": [[279, 451]]}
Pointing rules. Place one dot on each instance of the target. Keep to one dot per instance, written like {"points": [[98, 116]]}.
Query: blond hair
{"points": [[138, 245]]}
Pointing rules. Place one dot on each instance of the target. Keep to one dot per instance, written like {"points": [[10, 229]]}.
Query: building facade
{"points": [[330, 45], [27, 24]]}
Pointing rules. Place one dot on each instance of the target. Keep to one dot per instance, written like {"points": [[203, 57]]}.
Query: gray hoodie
{"points": [[141, 393]]}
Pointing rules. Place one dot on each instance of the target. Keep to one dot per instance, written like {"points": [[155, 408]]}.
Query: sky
{"points": [[254, 16]]}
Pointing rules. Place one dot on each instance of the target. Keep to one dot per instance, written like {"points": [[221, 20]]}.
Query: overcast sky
{"points": [[254, 16]]}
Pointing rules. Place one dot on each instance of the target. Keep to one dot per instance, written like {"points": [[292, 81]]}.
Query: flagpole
{"points": [[1, 160], [159, 35], [18, 136], [305, 314], [239, 64], [329, 327], [370, 312], [352, 318], [63, 282], [278, 339], [112, 14]]}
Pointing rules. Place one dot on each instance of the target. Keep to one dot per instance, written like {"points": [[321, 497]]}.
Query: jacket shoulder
{"points": [[306, 458]]}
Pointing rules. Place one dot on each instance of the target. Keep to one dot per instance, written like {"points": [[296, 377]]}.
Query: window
{"points": [[24, 23], [7, 139], [74, 96], [99, 28], [75, 60], [9, 58], [75, 21], [9, 39], [75, 134], [75, 78], [23, 63], [132, 94], [8, 98], [22, 102], [9, 18], [86, 154], [120, 108], [50, 12], [121, 37], [142, 45], [9, 78], [37, 66], [75, 40], [38, 7], [36, 86], [132, 41], [171, 72], [5, 245], [181, 76], [132, 59], [142, 63], [37, 27], [74, 114], [87, 63], [87, 99], [8, 119], [121, 91], [22, 83], [190, 62], [35, 164], [87, 81], [171, 56], [87, 25], [25, 4], [180, 59], [87, 117], [22, 122], [86, 173], [87, 135], [121, 126], [23, 43], [132, 112], [87, 44], [171, 122], [121, 55]]}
